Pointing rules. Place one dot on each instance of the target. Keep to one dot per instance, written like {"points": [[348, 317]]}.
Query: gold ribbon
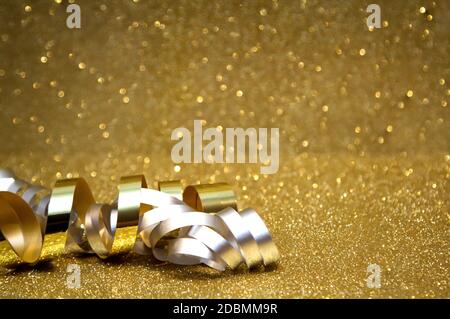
{"points": [[23, 216], [92, 226], [199, 225]]}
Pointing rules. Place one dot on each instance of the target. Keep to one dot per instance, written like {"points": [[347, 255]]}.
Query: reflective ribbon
{"points": [[223, 239], [23, 216], [200, 225], [92, 226]]}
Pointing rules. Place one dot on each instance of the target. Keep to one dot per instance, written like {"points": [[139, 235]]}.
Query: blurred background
{"points": [[363, 117]]}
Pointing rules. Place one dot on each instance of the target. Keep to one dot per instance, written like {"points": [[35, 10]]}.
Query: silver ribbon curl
{"points": [[220, 240], [199, 226]]}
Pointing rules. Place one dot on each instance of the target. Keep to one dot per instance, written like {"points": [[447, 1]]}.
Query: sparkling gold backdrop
{"points": [[364, 135]]}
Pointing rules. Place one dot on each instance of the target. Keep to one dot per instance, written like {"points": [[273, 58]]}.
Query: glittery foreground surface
{"points": [[363, 120]]}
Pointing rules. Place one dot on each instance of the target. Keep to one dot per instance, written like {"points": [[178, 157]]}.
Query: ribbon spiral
{"points": [[200, 225], [23, 215]]}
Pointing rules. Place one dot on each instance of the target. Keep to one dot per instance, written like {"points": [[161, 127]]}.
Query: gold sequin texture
{"points": [[364, 139]]}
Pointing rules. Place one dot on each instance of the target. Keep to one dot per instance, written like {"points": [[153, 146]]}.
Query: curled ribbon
{"points": [[23, 215], [200, 225], [92, 226], [220, 240]]}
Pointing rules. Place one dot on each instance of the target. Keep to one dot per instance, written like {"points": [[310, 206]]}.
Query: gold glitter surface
{"points": [[364, 135]]}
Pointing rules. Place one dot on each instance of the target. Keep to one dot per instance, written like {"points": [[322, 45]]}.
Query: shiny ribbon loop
{"points": [[22, 217], [93, 226], [200, 225], [220, 240]]}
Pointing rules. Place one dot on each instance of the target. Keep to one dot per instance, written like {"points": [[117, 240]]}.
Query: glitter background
{"points": [[364, 135]]}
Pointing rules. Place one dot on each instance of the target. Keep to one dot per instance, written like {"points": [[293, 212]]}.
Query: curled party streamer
{"points": [[198, 225]]}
